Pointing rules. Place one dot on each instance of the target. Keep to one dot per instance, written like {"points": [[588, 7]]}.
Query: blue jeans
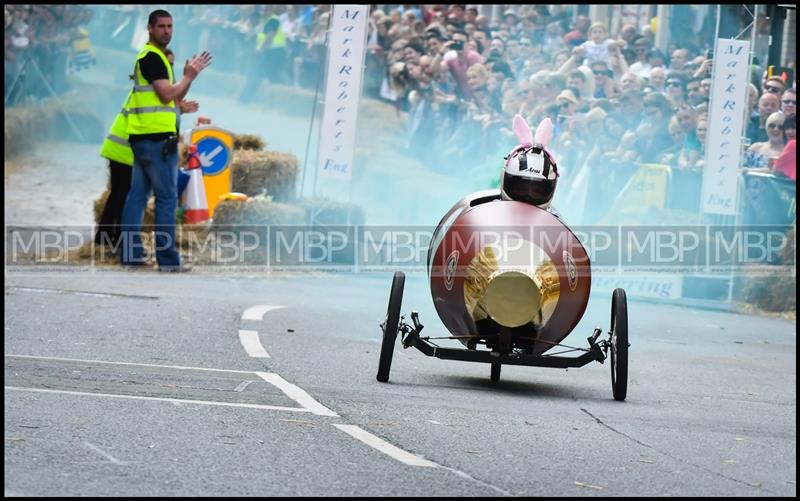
{"points": [[151, 170]]}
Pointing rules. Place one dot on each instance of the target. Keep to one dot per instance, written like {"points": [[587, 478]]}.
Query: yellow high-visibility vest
{"points": [[146, 113], [116, 146], [279, 40]]}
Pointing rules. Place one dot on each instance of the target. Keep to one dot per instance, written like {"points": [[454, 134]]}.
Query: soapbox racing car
{"points": [[518, 289]]}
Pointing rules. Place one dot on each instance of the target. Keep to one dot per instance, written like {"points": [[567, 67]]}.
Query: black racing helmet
{"points": [[529, 175]]}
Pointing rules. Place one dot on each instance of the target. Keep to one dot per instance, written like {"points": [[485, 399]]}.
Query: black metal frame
{"points": [[410, 337]]}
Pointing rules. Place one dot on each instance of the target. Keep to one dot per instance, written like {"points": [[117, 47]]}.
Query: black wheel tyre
{"points": [[391, 326], [619, 344], [496, 372]]}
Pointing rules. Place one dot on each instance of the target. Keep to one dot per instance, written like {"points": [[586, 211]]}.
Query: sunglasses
{"points": [[789, 101], [673, 83], [771, 88]]}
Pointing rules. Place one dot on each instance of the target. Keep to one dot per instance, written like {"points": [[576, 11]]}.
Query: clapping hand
{"points": [[196, 64], [189, 106]]}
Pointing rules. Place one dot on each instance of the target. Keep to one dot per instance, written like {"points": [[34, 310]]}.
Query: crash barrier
{"points": [[764, 198], [656, 194]]}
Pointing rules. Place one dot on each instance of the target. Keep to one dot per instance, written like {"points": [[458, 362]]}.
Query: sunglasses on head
{"points": [[772, 88]]}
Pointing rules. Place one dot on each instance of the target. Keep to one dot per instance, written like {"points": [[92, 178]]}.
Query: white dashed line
{"points": [[297, 394], [181, 367], [257, 312], [251, 344], [163, 399], [384, 446]]}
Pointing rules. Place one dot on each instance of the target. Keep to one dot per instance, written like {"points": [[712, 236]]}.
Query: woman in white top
{"points": [[762, 154]]}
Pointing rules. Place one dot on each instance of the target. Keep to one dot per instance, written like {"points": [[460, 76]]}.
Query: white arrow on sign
{"points": [[205, 160]]}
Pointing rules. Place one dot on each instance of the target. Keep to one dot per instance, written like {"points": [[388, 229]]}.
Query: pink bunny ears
{"points": [[544, 133]]}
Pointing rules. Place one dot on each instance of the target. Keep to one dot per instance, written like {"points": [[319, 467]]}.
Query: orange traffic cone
{"points": [[195, 195]]}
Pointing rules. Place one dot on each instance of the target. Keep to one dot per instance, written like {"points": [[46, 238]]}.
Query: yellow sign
{"points": [[215, 149], [646, 189]]}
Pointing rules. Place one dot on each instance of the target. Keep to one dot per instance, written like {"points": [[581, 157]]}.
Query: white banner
{"points": [[346, 51], [725, 126], [660, 286]]}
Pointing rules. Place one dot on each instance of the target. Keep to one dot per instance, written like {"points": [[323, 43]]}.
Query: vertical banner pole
{"points": [[346, 55]]}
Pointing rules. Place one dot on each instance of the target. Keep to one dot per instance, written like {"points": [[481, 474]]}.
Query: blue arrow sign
{"points": [[213, 155]]}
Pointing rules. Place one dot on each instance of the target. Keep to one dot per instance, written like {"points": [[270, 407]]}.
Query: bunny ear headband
{"points": [[526, 138]]}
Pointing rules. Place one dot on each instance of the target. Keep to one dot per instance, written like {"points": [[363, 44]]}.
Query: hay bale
{"points": [[327, 211], [271, 172], [25, 125], [248, 142], [191, 236], [256, 212], [771, 291], [775, 292]]}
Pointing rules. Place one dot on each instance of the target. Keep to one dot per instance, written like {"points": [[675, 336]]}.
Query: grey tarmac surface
{"points": [[711, 408]]}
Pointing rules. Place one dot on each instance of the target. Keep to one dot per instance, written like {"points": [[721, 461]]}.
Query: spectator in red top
{"points": [[581, 32], [786, 163]]}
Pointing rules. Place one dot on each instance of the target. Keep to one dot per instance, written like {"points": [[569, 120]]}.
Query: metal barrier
{"points": [[658, 195]]}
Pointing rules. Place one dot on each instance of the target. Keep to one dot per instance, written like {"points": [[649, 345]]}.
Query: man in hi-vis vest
{"points": [[120, 163], [152, 134], [269, 59]]}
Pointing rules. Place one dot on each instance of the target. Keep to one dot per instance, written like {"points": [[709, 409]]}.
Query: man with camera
{"points": [[458, 58]]}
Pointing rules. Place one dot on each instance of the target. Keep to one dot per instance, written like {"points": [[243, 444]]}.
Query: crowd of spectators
{"points": [[458, 77], [40, 42], [614, 98]]}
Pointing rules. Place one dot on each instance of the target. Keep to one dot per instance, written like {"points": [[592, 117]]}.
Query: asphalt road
{"points": [[144, 384]]}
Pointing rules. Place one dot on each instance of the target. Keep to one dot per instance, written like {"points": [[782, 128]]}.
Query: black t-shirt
{"points": [[152, 68]]}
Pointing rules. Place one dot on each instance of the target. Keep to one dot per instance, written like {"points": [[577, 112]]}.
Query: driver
{"points": [[530, 175]]}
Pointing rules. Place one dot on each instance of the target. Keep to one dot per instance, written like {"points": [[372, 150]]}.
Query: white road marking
{"points": [[163, 399], [78, 293], [252, 345], [384, 446], [242, 386], [130, 363], [297, 394], [103, 453], [257, 312]]}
